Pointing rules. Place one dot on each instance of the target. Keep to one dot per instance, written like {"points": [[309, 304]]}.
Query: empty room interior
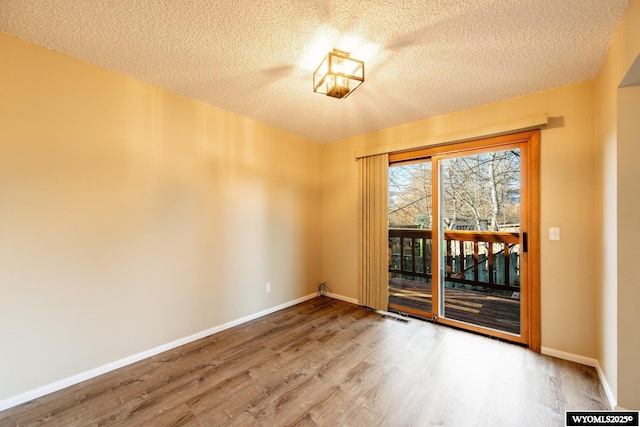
{"points": [[202, 224]]}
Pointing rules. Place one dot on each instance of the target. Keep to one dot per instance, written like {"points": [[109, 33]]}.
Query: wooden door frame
{"points": [[530, 307]]}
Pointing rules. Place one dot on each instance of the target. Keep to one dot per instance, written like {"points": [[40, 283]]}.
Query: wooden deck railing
{"points": [[471, 257]]}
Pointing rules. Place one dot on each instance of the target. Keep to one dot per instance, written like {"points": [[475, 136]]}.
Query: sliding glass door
{"points": [[459, 224]]}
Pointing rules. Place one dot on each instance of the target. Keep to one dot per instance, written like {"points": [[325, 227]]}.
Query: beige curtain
{"points": [[373, 251]]}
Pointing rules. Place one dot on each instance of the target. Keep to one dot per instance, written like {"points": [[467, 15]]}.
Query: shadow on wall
{"points": [[555, 122]]}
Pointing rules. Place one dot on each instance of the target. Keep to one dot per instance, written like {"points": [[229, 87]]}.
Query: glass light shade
{"points": [[338, 75]]}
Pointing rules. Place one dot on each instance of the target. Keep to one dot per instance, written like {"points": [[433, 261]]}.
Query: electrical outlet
{"points": [[267, 288], [554, 233]]}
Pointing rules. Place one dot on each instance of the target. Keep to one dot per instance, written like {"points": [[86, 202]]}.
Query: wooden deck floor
{"points": [[473, 307], [326, 362]]}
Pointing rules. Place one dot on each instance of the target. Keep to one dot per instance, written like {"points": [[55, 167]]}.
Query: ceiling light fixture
{"points": [[338, 75]]}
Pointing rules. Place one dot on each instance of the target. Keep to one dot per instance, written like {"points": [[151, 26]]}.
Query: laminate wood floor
{"points": [[326, 362]]}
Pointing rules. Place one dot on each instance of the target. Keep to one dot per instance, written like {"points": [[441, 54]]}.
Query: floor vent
{"points": [[397, 319]]}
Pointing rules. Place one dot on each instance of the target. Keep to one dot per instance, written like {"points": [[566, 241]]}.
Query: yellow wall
{"points": [[567, 164], [131, 217], [617, 212]]}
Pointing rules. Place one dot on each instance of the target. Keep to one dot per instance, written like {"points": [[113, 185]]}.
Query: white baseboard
{"points": [[569, 356], [342, 298], [67, 382], [607, 388], [585, 361]]}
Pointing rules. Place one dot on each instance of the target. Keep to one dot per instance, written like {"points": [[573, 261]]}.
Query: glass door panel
{"points": [[410, 217], [479, 223]]}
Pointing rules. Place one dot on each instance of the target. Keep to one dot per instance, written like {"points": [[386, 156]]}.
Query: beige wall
{"points": [[606, 225], [131, 217], [628, 252], [616, 200], [568, 286]]}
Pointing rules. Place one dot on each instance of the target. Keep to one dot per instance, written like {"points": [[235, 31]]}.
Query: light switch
{"points": [[554, 233]]}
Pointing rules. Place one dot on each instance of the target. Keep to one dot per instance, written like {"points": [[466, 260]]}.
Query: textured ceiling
{"points": [[256, 58]]}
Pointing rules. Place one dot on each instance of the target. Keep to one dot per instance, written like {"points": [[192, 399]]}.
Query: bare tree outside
{"points": [[481, 192], [410, 196]]}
